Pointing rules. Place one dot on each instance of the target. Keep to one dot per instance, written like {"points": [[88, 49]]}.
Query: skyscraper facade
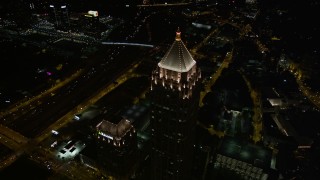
{"points": [[60, 15], [174, 103]]}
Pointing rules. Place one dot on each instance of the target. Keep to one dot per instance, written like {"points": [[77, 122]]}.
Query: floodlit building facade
{"points": [[174, 103]]}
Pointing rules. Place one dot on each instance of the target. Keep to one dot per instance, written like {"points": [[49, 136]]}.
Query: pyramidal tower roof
{"points": [[178, 58]]}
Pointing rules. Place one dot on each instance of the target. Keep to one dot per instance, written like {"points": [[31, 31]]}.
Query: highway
{"points": [[19, 108], [56, 103], [33, 107], [15, 136], [105, 72], [90, 101], [56, 107], [21, 144]]}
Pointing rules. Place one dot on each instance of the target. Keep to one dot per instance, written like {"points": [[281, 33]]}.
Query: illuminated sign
{"points": [[93, 13], [105, 135]]}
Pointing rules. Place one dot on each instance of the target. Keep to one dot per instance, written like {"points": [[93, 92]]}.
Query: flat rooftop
{"points": [[136, 112], [70, 149], [246, 152]]}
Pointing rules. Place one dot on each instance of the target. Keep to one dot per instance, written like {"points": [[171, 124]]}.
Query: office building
{"points": [[116, 141], [174, 103], [60, 15]]}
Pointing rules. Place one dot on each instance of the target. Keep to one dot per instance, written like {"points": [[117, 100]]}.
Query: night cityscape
{"points": [[160, 89]]}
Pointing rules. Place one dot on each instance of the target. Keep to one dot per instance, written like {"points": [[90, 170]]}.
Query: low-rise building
{"points": [[247, 160], [116, 141]]}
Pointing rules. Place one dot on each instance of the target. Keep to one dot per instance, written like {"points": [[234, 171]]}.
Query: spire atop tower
{"points": [[178, 35], [178, 58]]}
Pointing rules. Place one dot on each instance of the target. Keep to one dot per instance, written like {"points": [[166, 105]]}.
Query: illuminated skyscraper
{"points": [[60, 15], [91, 24], [174, 103]]}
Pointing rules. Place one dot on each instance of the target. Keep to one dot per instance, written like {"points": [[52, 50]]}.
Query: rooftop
{"points": [[135, 112], [112, 130], [270, 127], [245, 152], [178, 58], [284, 125]]}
